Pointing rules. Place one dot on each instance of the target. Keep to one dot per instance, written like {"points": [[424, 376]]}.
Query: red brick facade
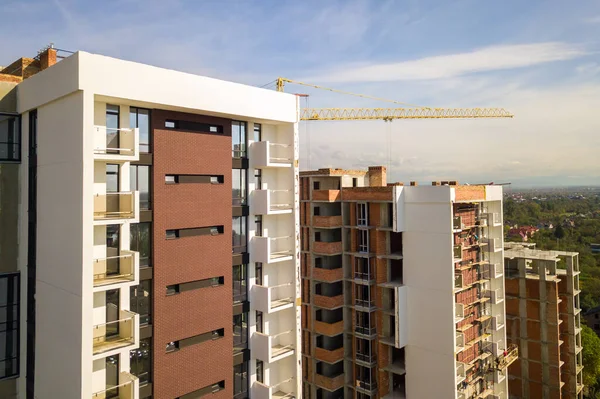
{"points": [[179, 206]]}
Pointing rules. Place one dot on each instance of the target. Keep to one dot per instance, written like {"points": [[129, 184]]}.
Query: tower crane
{"points": [[387, 114]]}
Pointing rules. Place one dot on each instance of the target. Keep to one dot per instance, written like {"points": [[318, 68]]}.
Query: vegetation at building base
{"points": [[591, 362], [568, 224]]}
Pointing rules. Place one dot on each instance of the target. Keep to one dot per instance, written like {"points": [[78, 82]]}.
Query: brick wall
{"points": [[191, 258]]}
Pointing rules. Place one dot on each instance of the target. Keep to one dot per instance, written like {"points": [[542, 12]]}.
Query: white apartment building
{"points": [[110, 145]]}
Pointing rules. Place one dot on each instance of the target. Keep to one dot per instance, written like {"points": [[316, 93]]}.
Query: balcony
{"points": [[273, 299], [265, 154], [327, 221], [461, 373], [496, 296], [497, 322], [329, 356], [491, 271], [116, 144], [326, 195], [116, 270], [328, 275], [458, 281], [460, 342], [457, 224], [494, 244], [365, 331], [271, 348], [366, 387], [272, 202], [112, 207], [327, 248], [459, 312], [272, 249], [365, 275], [330, 383], [329, 302], [457, 253], [128, 388], [364, 305], [499, 376], [281, 390], [119, 334], [493, 219], [329, 329]]}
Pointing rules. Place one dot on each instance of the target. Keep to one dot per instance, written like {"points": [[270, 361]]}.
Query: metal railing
{"points": [[120, 272], [112, 392], [118, 205], [113, 136]]}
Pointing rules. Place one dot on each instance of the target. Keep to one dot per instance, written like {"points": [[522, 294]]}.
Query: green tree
{"points": [[591, 360], [559, 232]]}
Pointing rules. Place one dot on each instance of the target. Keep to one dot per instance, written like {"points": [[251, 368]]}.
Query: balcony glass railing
{"points": [[120, 142], [114, 269], [115, 334], [114, 206], [365, 330], [124, 390]]}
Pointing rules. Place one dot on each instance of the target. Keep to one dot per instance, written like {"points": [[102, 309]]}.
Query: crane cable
{"points": [[280, 83]]}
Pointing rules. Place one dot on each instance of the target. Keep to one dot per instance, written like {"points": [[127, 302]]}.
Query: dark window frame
{"points": [[136, 300], [143, 149], [193, 127], [241, 198], [241, 384], [14, 132], [242, 138], [242, 245], [240, 294], [212, 282], [11, 325], [243, 342], [136, 186], [137, 358], [137, 231]]}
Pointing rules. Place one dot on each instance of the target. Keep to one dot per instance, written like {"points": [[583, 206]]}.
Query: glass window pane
{"points": [[112, 178], [143, 185], [140, 241], [238, 179]]}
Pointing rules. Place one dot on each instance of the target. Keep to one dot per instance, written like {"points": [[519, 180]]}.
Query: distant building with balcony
{"points": [[402, 288], [544, 320], [150, 220]]}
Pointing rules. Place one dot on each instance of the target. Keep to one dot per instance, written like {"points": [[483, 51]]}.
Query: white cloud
{"points": [[445, 66], [590, 69]]}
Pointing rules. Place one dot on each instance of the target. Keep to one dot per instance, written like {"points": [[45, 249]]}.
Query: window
{"points": [[316, 185], [112, 128], [196, 284], [10, 138], [193, 231], [194, 127], [140, 234], [140, 181], [238, 139], [140, 118], [363, 240], [362, 215], [240, 381], [112, 178], [260, 371], [9, 325], [257, 179], [140, 300], [354, 182], [239, 234], [259, 321], [177, 179], [238, 181], [240, 289], [257, 132], [140, 361], [258, 226], [258, 273], [317, 211], [240, 332], [111, 366]]}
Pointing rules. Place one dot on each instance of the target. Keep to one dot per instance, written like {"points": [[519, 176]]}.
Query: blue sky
{"points": [[539, 59]]}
